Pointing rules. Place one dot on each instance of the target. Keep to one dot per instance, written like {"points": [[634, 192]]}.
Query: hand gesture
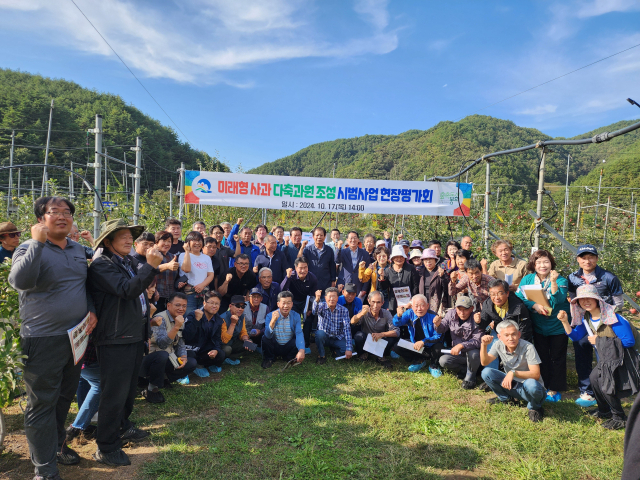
{"points": [[400, 310], [173, 263], [286, 240], [187, 247], [437, 320], [477, 317], [255, 269], [240, 220], [289, 270], [454, 277], [363, 264], [365, 309], [562, 316], [553, 275], [178, 321], [386, 235], [484, 263], [457, 349], [318, 295], [198, 314], [381, 274], [274, 317], [39, 232], [486, 340], [156, 321], [440, 272], [400, 237], [234, 318], [154, 257], [273, 229], [228, 277], [87, 236], [339, 244], [340, 288], [305, 243], [236, 238]]}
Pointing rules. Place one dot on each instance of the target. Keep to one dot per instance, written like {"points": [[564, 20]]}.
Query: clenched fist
{"points": [[198, 314], [39, 232], [154, 257]]}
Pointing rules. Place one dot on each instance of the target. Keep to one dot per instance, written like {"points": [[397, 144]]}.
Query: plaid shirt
{"points": [[480, 292], [335, 324], [167, 279]]}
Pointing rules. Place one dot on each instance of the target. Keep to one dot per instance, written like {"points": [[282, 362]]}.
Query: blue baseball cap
{"points": [[582, 249]]}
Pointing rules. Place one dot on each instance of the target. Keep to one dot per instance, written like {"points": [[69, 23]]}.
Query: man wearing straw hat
{"points": [[122, 307], [10, 238]]}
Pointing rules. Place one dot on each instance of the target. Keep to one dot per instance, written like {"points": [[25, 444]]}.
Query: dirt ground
{"points": [[16, 465]]}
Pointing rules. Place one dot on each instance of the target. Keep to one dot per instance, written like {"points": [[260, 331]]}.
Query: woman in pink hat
{"points": [[617, 373]]}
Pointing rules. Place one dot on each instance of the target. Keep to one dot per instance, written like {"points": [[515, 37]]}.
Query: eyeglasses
{"points": [[211, 304], [60, 214], [240, 264], [14, 234], [180, 306], [238, 305]]}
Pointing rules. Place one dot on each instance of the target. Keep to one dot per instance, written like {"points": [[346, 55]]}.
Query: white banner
{"points": [[327, 194]]}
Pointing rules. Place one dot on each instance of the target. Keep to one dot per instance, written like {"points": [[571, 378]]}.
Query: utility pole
{"points": [[106, 173], [136, 181], [181, 199], [595, 221], [97, 166], [45, 187], [487, 195], [19, 171], [71, 192], [170, 199], [606, 222], [10, 199], [635, 220], [536, 238]]}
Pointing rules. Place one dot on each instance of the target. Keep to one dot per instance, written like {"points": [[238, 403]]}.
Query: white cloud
{"points": [[199, 40], [600, 7], [539, 110]]}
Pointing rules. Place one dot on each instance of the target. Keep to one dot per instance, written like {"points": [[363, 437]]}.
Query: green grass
{"points": [[349, 420]]}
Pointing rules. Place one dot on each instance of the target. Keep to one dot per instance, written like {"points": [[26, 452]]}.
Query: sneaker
{"points": [[468, 384], [484, 387], [435, 372], [72, 432], [496, 401], [384, 363], [228, 361], [307, 351], [134, 434], [536, 415], [267, 364], [66, 456], [585, 400], [598, 414], [116, 458], [553, 398], [416, 367], [614, 424], [394, 355], [50, 477], [201, 372], [364, 357], [321, 360], [184, 380], [214, 369], [154, 396]]}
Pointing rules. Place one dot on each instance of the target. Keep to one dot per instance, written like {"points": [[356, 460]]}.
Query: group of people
{"points": [[161, 308]]}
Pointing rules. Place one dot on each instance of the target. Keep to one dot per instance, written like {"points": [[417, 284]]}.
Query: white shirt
{"points": [[200, 266]]}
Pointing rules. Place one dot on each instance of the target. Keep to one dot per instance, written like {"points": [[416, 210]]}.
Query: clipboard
{"points": [[536, 294]]}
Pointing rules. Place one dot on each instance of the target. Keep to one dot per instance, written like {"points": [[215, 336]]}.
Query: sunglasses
{"points": [[238, 305], [14, 234]]}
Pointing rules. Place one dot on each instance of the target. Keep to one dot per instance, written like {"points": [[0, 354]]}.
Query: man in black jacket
{"points": [[201, 334], [504, 305], [123, 311]]}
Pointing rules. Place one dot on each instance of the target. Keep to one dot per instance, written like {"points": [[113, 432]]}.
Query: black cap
{"points": [[582, 249], [350, 288], [404, 243], [236, 299], [255, 291]]}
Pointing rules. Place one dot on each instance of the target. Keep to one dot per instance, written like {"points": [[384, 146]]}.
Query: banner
{"points": [[327, 194]]}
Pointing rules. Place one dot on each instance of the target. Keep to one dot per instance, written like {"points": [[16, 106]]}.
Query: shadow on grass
{"points": [[309, 422]]}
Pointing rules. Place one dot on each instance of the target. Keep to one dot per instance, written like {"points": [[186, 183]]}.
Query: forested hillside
{"points": [[442, 149], [24, 105]]}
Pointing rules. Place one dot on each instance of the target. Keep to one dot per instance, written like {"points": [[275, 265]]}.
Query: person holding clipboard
{"points": [[544, 292]]}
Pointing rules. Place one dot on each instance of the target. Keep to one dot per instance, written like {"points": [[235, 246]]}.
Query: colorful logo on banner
{"points": [[465, 202]]}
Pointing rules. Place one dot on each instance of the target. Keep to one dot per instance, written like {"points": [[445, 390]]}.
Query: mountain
{"points": [[24, 105], [442, 149]]}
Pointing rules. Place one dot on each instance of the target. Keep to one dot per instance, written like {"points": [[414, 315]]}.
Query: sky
{"points": [[256, 80]]}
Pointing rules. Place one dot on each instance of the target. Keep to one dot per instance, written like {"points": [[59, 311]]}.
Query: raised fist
{"points": [[477, 317], [179, 321], [318, 295], [562, 316], [486, 339], [229, 277], [198, 314], [289, 270], [240, 220], [305, 243], [236, 238], [154, 257], [39, 232]]}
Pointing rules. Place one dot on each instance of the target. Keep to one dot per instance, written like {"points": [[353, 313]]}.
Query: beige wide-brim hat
{"points": [[8, 227], [111, 226]]}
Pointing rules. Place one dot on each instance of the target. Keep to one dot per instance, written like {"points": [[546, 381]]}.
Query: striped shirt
{"points": [[283, 331], [335, 324]]}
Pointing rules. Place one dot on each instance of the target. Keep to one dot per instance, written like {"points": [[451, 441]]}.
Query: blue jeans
{"points": [[323, 339], [192, 304], [88, 396], [496, 363], [530, 391]]}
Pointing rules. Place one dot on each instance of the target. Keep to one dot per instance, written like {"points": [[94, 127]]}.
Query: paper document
{"points": [[403, 295], [79, 338], [508, 277], [446, 351], [344, 356], [536, 294], [377, 348], [307, 305], [408, 345], [308, 236]]}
